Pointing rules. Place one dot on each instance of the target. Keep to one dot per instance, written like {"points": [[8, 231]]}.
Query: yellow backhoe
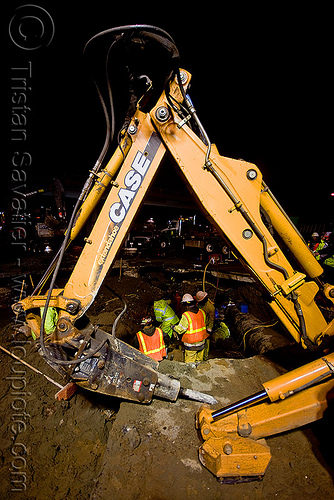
{"points": [[234, 197]]}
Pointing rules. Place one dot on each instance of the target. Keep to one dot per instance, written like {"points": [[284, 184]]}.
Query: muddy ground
{"points": [[96, 447]]}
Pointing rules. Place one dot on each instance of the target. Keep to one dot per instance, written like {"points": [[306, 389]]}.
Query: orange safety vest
{"points": [[196, 327], [153, 346]]}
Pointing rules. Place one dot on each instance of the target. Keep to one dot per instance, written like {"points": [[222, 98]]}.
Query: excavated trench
{"points": [[100, 447]]}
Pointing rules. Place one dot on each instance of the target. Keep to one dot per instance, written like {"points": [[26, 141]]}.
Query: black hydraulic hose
{"points": [[55, 273], [124, 34], [121, 313], [109, 119], [240, 208], [309, 344], [61, 252], [143, 30], [79, 360], [130, 27], [47, 273]]}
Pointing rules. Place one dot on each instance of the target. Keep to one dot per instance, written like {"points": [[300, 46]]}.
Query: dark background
{"points": [[261, 86]]}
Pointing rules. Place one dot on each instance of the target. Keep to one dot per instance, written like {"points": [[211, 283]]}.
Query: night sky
{"points": [[261, 87]]}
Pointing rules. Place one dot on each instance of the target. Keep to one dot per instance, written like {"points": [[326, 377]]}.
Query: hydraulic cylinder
{"points": [[289, 234]]}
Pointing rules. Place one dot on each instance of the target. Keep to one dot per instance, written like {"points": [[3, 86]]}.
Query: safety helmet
{"points": [[187, 298], [200, 296], [315, 234]]}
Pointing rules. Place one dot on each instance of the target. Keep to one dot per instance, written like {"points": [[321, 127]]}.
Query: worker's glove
{"points": [[175, 334]]}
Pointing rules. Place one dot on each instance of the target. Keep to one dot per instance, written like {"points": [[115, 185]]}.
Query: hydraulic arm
{"points": [[234, 447], [231, 193]]}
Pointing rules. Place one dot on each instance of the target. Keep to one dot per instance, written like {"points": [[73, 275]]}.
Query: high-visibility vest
{"points": [[165, 315], [153, 346], [329, 261], [196, 327], [317, 247]]}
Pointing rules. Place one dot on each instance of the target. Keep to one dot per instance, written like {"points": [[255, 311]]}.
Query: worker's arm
{"points": [[210, 317], [182, 327], [135, 342], [167, 339]]}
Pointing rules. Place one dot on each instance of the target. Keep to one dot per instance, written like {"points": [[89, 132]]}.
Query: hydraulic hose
{"points": [[125, 33], [254, 227], [302, 325], [113, 331], [60, 256], [271, 264], [55, 273], [130, 27]]}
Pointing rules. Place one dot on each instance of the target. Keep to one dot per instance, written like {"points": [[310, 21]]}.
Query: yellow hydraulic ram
{"points": [[289, 233], [234, 448]]}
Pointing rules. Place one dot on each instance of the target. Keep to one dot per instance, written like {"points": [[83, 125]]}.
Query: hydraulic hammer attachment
{"points": [[112, 367], [234, 449]]}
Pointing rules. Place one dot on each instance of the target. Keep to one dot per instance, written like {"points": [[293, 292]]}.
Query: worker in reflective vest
{"points": [[316, 244], [326, 257], [165, 315], [192, 330], [151, 340]]}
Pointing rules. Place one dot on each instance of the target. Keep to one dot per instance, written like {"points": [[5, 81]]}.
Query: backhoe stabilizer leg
{"points": [[233, 436], [232, 458]]}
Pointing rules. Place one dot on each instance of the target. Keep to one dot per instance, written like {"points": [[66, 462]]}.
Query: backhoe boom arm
{"points": [[234, 197], [231, 192]]}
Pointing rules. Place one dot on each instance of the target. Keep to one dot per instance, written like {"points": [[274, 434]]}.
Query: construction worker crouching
{"points": [[192, 330], [151, 340], [165, 315]]}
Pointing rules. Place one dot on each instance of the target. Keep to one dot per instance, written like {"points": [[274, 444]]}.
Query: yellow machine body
{"points": [[232, 205], [231, 193], [234, 446]]}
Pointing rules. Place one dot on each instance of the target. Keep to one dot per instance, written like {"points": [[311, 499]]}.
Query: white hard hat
{"points": [[200, 295], [315, 234], [187, 298]]}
